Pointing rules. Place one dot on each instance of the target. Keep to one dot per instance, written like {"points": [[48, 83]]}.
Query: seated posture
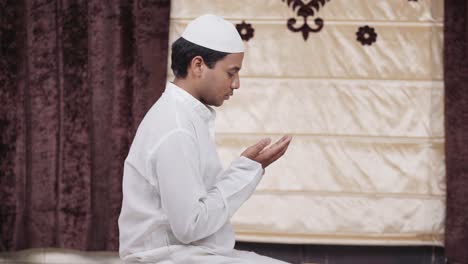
{"points": [[177, 198]]}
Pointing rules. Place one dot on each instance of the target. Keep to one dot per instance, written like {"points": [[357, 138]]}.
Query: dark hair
{"points": [[183, 51]]}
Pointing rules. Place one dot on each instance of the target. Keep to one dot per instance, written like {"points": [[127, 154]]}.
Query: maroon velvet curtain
{"points": [[456, 129], [76, 78]]}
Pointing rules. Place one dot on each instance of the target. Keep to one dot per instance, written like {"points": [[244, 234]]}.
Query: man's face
{"points": [[220, 82]]}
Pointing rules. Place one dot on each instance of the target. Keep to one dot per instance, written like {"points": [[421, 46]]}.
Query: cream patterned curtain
{"points": [[363, 98]]}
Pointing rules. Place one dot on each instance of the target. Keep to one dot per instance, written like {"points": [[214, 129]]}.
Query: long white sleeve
{"points": [[193, 211]]}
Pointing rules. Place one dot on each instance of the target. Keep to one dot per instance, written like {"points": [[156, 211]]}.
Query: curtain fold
{"points": [[76, 78], [456, 127]]}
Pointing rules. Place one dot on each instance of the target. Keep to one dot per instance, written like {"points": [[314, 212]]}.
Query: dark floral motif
{"points": [[245, 30], [305, 10], [366, 35]]}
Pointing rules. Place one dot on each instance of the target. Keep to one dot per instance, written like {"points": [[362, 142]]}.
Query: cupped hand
{"points": [[264, 155]]}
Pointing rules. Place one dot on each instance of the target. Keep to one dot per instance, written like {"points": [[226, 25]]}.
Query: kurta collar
{"points": [[207, 113]]}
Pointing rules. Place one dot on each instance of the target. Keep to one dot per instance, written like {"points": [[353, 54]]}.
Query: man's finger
{"points": [[274, 149], [282, 149], [281, 140], [253, 151], [262, 144], [277, 142], [279, 154]]}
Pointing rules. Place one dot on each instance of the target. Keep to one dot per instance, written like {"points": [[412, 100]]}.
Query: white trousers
{"points": [[197, 255]]}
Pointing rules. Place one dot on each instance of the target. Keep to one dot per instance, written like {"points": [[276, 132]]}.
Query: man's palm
{"points": [[267, 155]]}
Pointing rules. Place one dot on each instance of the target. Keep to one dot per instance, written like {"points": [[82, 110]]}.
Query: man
{"points": [[177, 198]]}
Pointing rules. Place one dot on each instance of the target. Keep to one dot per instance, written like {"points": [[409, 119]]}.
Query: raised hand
{"points": [[264, 155]]}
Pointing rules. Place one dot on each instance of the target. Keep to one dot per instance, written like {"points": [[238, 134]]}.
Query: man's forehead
{"points": [[233, 61]]}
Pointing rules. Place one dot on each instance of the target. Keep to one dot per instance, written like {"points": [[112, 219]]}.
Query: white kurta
{"points": [[177, 198]]}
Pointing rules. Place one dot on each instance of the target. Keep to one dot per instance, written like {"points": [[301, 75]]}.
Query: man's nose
{"points": [[236, 83]]}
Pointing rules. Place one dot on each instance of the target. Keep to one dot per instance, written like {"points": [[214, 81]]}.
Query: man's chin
{"points": [[218, 103], [215, 104]]}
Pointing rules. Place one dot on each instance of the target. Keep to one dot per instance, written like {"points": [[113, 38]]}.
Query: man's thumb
{"points": [[255, 149]]}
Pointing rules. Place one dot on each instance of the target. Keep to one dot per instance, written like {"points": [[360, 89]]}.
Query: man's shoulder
{"points": [[164, 117]]}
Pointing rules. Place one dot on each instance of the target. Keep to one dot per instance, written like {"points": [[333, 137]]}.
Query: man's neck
{"points": [[188, 86]]}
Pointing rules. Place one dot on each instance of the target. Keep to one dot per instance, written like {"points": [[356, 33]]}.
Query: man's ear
{"points": [[196, 65]]}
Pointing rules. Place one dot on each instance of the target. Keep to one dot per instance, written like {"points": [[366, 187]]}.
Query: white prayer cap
{"points": [[215, 33]]}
